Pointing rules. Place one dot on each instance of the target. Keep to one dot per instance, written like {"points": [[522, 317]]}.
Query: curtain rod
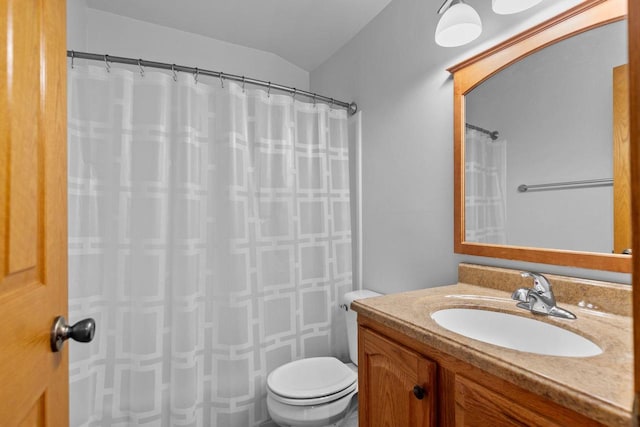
{"points": [[351, 107], [492, 134]]}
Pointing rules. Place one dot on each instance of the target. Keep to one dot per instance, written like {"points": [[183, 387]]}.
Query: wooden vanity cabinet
{"points": [[406, 383]]}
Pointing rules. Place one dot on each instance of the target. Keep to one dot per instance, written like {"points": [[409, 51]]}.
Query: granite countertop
{"points": [[600, 387]]}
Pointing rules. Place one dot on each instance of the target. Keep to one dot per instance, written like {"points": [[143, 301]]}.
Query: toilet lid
{"points": [[315, 401], [311, 378]]}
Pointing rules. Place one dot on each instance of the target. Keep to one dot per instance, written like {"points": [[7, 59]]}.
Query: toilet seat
{"points": [[317, 400], [311, 381]]}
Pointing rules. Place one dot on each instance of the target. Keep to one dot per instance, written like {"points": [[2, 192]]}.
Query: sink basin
{"points": [[515, 332]]}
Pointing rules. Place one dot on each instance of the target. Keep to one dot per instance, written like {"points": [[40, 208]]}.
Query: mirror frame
{"points": [[470, 73]]}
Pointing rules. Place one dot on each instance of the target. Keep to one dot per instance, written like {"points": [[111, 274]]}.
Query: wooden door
{"points": [[621, 175], [634, 147], [33, 218], [388, 375]]}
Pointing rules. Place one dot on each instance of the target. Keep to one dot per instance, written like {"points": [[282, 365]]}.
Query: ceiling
{"points": [[303, 32]]}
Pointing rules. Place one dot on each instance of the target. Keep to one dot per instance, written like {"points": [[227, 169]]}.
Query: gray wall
{"points": [[397, 74]]}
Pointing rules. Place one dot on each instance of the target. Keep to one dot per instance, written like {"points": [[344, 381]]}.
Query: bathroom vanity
{"points": [[413, 372], [416, 372]]}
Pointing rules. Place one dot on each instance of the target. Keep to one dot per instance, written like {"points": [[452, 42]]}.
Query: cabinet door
{"points": [[476, 405], [396, 385]]}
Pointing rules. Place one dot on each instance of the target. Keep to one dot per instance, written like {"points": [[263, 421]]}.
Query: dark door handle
{"points": [[83, 331], [418, 392]]}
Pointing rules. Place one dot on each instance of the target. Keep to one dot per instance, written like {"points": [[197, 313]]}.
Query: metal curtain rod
{"points": [[492, 134], [569, 184], [351, 107]]}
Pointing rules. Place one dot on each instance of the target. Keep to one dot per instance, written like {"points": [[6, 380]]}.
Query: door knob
{"points": [[83, 331]]}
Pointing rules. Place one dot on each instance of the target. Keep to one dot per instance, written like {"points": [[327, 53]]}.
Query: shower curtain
{"points": [[485, 188], [210, 238]]}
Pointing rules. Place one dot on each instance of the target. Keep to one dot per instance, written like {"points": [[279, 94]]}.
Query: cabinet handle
{"points": [[418, 392]]}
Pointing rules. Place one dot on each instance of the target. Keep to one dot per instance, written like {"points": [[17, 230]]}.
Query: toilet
{"points": [[317, 391]]}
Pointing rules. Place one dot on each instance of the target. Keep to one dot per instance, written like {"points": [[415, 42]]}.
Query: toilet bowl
{"points": [[311, 392], [316, 391]]}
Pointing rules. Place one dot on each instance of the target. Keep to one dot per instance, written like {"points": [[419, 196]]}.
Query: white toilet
{"points": [[317, 391]]}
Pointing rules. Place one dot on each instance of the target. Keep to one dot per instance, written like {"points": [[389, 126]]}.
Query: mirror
{"points": [[543, 174], [535, 154]]}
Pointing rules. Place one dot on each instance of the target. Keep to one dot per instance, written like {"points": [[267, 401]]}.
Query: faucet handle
{"points": [[540, 283], [521, 295]]}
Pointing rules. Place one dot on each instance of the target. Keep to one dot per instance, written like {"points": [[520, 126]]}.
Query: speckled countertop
{"points": [[600, 387]]}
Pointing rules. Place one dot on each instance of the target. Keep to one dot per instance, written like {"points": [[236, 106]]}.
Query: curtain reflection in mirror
{"points": [[485, 181]]}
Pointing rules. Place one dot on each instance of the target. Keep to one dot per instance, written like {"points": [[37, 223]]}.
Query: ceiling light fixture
{"points": [[460, 24], [507, 7]]}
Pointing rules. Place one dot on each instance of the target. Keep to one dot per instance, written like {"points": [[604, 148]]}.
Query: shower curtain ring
{"points": [[106, 63], [293, 96], [141, 69], [331, 105], [242, 84], [222, 80], [269, 91], [314, 99], [195, 75], [73, 54], [173, 70]]}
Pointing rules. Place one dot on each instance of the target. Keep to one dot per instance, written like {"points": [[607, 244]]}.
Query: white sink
{"points": [[515, 332]]}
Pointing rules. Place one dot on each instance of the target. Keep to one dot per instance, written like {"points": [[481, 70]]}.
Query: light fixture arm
{"points": [[445, 6]]}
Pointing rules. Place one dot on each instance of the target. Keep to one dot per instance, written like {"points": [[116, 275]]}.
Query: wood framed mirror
{"points": [[501, 234]]}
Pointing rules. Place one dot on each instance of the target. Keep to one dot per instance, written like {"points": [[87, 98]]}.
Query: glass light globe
{"points": [[459, 25], [507, 7]]}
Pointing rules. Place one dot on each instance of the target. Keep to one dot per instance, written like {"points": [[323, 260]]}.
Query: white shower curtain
{"points": [[485, 188], [210, 238]]}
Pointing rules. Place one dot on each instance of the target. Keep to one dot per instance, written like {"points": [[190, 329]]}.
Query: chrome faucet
{"points": [[540, 298]]}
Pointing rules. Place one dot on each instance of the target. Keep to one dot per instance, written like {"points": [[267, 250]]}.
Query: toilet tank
{"points": [[352, 319]]}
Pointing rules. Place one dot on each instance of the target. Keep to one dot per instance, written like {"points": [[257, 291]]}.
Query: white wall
{"points": [[77, 25], [105, 33], [397, 74]]}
